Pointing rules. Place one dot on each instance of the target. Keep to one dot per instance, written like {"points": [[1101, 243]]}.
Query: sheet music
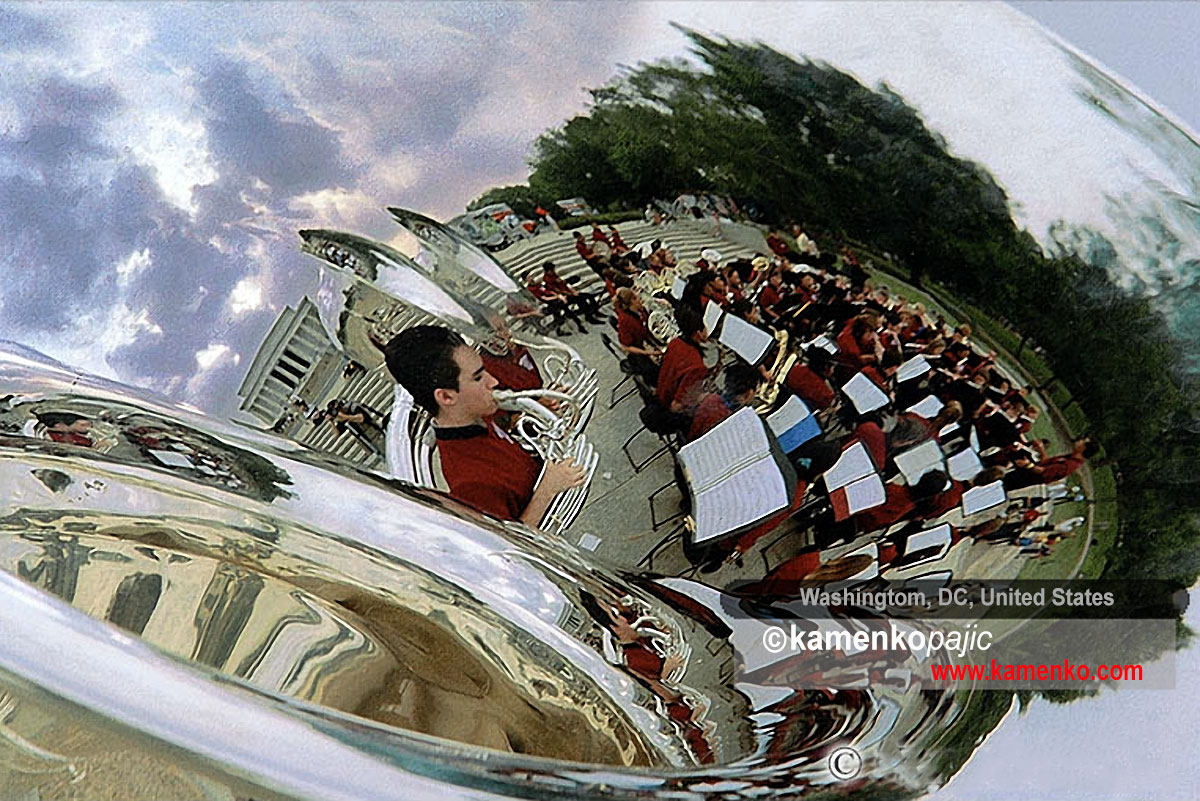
{"points": [[172, 459], [824, 343], [964, 465], [914, 367], [866, 493], [927, 408], [712, 316], [974, 439], [916, 462], [864, 394], [745, 497], [928, 539], [744, 339], [853, 464], [792, 412], [736, 440], [980, 499], [677, 288]]}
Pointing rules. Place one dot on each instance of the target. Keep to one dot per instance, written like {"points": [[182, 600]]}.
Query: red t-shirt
{"points": [[585, 252], [681, 375], [487, 470], [897, 506], [555, 283], [810, 387], [631, 329], [872, 436], [711, 410], [769, 297], [1059, 467]]}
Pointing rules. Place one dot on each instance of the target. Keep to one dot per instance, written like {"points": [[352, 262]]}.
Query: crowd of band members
{"points": [[807, 294], [799, 291]]}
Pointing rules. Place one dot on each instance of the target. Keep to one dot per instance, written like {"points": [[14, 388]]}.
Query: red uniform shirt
{"points": [[516, 371], [872, 436], [585, 252], [631, 329], [809, 387], [555, 283], [1059, 467], [897, 506], [681, 375], [711, 410], [769, 297], [486, 470]]}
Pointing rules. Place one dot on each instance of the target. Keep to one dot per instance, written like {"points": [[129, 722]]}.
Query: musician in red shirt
{"points": [[484, 468], [634, 334], [581, 245], [681, 376]]}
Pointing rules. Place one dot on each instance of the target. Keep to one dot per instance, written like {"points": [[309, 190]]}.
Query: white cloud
{"points": [[133, 264], [247, 295], [214, 354]]}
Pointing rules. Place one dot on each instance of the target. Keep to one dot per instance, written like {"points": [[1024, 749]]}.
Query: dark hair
{"points": [[690, 320], [740, 378], [421, 359], [52, 419]]}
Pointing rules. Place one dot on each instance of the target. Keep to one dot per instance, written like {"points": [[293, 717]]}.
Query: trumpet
{"points": [[554, 435]]}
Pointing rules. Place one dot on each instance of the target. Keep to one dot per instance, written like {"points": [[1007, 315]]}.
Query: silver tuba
{"points": [[554, 435]]}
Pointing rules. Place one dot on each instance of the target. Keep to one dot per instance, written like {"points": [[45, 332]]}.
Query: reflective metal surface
{"points": [[246, 618]]}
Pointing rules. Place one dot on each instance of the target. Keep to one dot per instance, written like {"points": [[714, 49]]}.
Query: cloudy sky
{"points": [[156, 160]]}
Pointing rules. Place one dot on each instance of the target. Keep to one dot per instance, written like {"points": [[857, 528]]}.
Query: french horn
{"points": [[554, 435]]}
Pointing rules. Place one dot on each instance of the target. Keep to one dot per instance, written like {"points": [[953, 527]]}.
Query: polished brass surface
{"points": [[163, 554]]}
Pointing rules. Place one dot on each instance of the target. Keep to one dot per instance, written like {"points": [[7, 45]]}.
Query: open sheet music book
{"points": [[857, 496], [864, 394], [793, 424], [916, 462], [964, 465], [913, 368], [747, 341], [736, 475], [677, 287], [980, 499], [854, 463], [927, 408], [824, 343], [712, 316]]}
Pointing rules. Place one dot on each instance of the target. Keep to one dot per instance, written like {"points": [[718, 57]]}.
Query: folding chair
{"points": [[656, 420], [623, 362]]}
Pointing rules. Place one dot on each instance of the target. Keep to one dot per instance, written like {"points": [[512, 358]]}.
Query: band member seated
{"points": [[634, 334], [810, 382], [510, 364], [681, 376], [581, 301], [556, 303], [741, 381], [68, 427], [483, 467]]}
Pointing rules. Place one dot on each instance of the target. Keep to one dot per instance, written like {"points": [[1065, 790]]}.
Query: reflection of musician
{"points": [[483, 467], [514, 368]]}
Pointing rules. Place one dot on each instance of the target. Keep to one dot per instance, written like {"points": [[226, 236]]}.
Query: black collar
{"points": [[460, 432]]}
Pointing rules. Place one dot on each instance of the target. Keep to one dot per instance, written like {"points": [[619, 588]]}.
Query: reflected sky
{"points": [[156, 161]]}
